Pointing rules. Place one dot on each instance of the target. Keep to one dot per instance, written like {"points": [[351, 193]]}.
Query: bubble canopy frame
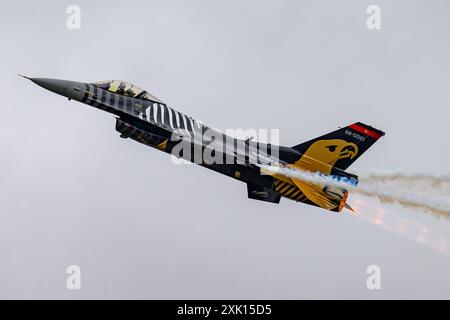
{"points": [[127, 89]]}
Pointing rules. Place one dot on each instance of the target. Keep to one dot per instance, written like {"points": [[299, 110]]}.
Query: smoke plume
{"points": [[427, 193]]}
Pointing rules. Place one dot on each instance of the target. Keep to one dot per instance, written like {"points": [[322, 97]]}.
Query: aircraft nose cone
{"points": [[69, 89], [54, 85]]}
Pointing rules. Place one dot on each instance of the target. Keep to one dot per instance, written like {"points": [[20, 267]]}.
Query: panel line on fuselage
{"points": [[94, 103], [172, 114], [129, 103]]}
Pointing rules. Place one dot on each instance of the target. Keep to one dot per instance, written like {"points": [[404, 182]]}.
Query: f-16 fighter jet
{"points": [[145, 118]]}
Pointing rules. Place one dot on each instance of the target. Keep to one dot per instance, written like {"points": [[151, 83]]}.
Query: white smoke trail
{"points": [[308, 176], [421, 191], [428, 193], [431, 186], [407, 200], [439, 182]]}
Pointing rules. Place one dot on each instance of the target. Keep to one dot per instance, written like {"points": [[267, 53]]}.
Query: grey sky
{"points": [[141, 227]]}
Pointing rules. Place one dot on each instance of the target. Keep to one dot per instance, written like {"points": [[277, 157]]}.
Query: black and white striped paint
{"points": [[155, 113]]}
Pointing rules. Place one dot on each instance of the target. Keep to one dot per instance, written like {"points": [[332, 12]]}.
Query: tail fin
{"points": [[342, 147]]}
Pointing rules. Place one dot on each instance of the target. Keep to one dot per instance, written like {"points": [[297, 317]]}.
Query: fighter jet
{"points": [[146, 119]]}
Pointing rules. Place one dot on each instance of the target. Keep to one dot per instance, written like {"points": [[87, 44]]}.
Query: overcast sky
{"points": [[73, 193]]}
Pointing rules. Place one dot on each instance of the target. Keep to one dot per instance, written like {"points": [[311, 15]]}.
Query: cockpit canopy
{"points": [[126, 89]]}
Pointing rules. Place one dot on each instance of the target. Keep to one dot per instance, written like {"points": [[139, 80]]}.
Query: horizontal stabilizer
{"points": [[264, 194]]}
